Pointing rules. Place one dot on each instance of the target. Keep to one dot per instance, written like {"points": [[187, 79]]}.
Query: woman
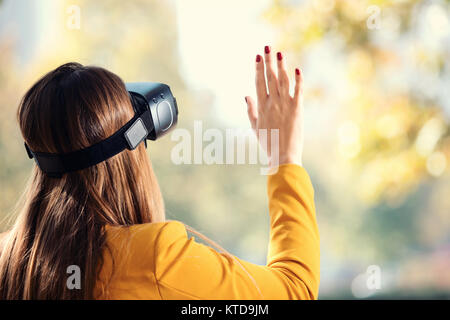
{"points": [[109, 221]]}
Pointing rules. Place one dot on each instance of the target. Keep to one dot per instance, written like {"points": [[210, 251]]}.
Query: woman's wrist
{"points": [[285, 159]]}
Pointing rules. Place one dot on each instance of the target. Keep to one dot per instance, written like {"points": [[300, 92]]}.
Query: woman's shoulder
{"points": [[145, 236], [131, 257]]}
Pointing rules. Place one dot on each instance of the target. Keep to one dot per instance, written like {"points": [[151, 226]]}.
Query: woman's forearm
{"points": [[294, 247]]}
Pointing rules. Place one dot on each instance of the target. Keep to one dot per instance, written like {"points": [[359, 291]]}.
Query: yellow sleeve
{"points": [[186, 269]]}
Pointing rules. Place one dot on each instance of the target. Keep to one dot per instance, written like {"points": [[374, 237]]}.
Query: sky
{"points": [[234, 27]]}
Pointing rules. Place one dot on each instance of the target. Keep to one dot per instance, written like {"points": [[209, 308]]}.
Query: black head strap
{"points": [[128, 137]]}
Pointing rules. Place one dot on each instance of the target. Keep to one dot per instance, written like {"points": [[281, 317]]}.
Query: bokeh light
{"points": [[377, 114]]}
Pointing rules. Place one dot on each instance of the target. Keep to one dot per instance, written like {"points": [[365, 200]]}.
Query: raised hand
{"points": [[277, 109]]}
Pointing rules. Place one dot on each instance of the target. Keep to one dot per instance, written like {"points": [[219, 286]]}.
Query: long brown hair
{"points": [[62, 221]]}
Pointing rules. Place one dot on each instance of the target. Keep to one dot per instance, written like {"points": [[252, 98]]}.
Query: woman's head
{"points": [[62, 221]]}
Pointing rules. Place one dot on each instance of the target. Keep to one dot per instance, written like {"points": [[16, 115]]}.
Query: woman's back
{"points": [[159, 261]]}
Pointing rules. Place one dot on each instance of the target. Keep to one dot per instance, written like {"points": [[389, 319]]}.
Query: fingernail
{"points": [[246, 99], [279, 56], [267, 49], [258, 58], [297, 71]]}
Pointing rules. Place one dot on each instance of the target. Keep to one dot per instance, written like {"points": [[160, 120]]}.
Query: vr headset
{"points": [[156, 112]]}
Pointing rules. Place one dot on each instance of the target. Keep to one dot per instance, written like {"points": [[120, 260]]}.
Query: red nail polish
{"points": [[297, 71], [258, 58], [246, 99], [267, 49], [279, 56]]}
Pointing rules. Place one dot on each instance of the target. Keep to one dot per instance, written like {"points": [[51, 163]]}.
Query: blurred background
{"points": [[377, 111]]}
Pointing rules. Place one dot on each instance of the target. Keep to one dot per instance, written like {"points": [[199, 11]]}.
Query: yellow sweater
{"points": [[159, 261]]}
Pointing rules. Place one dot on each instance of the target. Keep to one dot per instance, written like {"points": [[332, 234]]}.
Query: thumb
{"points": [[251, 110]]}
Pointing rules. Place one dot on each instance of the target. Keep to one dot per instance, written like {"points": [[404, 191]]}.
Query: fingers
{"points": [[283, 79], [272, 81], [298, 90], [252, 112], [261, 90], [277, 83]]}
